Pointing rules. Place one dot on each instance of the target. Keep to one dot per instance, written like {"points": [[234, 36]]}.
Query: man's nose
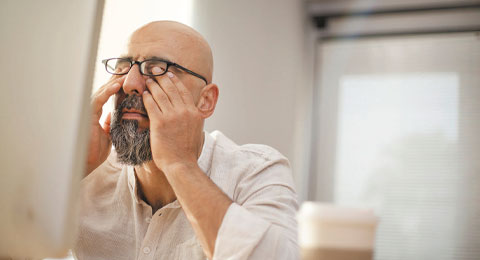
{"points": [[134, 82]]}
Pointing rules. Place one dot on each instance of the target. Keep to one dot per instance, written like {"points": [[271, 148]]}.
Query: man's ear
{"points": [[208, 100]]}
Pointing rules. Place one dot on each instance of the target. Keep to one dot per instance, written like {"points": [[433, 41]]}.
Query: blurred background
{"points": [[375, 103]]}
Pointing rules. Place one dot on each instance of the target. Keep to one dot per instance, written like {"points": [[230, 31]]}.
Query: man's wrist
{"points": [[180, 167]]}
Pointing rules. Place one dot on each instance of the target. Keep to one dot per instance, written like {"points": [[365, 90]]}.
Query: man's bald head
{"points": [[174, 41]]}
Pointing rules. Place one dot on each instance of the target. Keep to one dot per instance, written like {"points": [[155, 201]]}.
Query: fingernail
{"points": [[169, 74], [116, 85], [149, 80], [156, 70]]}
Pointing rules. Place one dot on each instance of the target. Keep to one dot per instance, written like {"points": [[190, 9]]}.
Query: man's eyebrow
{"points": [[158, 58]]}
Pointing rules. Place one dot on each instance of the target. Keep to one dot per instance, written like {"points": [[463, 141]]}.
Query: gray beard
{"points": [[132, 146]]}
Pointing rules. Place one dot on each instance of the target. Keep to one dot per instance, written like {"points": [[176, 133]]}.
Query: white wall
{"points": [[257, 48]]}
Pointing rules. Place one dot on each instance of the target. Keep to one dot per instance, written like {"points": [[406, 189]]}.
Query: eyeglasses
{"points": [[121, 66]]}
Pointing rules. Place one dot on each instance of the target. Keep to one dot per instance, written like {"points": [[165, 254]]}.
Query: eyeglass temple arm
{"points": [[191, 72]]}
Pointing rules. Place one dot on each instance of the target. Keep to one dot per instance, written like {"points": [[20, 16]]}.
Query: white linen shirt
{"points": [[260, 223]]}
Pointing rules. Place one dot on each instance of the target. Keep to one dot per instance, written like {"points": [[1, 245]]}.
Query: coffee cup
{"points": [[327, 231]]}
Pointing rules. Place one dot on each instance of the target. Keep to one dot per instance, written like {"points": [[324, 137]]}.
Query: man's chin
{"points": [[131, 142]]}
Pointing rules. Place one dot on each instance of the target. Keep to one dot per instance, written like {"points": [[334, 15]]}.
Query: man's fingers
{"points": [[159, 96], [151, 106], [103, 94], [106, 124], [182, 90], [169, 88]]}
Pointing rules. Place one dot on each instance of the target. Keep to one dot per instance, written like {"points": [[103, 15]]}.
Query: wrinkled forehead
{"points": [[163, 43]]}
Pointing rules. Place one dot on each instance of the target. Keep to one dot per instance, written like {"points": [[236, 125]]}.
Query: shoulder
{"points": [[248, 167], [249, 154]]}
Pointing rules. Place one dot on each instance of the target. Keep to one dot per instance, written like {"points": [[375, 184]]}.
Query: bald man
{"points": [[168, 189]]}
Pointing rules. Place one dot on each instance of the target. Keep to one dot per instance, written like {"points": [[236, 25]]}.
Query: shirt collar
{"points": [[205, 159]]}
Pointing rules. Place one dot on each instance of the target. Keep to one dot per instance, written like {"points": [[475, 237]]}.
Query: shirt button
{"points": [[146, 250], [148, 220]]}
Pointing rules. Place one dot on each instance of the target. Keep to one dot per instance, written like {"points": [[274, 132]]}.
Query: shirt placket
{"points": [[155, 228]]}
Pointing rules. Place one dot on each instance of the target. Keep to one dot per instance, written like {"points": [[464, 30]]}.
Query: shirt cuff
{"points": [[239, 233]]}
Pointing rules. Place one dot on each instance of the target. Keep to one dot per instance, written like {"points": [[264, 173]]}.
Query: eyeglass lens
{"points": [[122, 66]]}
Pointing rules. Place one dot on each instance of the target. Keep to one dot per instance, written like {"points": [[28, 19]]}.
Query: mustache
{"points": [[131, 102]]}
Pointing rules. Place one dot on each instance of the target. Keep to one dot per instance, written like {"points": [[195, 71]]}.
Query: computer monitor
{"points": [[47, 54]]}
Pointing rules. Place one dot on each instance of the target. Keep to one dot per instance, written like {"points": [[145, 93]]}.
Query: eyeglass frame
{"points": [[139, 63]]}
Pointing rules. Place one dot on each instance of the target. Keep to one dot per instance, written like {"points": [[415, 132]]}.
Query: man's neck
{"points": [[153, 186]]}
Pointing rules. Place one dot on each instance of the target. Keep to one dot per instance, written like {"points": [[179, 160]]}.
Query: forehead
{"points": [[167, 44]]}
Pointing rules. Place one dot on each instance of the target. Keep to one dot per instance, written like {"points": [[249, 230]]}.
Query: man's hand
{"points": [[175, 123], [100, 142], [176, 131]]}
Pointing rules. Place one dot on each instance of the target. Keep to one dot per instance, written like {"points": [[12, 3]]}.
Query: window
{"points": [[398, 131]]}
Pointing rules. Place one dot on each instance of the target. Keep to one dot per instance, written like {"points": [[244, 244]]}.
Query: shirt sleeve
{"points": [[261, 222]]}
